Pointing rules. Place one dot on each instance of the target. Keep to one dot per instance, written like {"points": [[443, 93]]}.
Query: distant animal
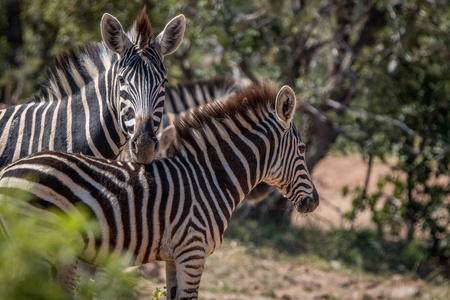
{"points": [[176, 209], [192, 94], [98, 98]]}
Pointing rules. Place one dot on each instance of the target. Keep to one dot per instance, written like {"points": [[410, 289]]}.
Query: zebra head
{"points": [[289, 172], [138, 79]]}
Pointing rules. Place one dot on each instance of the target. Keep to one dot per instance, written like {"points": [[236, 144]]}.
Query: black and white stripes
{"points": [[187, 95], [177, 209], [181, 98], [97, 98]]}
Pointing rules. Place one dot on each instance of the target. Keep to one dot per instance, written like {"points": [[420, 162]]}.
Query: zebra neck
{"points": [[85, 118], [230, 162]]}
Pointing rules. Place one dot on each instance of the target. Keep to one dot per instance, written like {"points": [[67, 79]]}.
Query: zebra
{"points": [[176, 209], [184, 96], [99, 98]]}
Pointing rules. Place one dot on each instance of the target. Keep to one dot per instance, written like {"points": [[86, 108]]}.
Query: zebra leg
{"points": [[66, 277], [189, 274], [171, 280]]}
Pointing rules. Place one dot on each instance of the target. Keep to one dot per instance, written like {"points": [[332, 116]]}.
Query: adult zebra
{"points": [[176, 209], [98, 99]]}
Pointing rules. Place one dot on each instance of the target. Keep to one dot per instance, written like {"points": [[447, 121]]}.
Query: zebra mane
{"points": [[140, 33], [254, 100], [71, 69]]}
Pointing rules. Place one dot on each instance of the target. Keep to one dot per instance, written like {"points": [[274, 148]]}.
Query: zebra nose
{"points": [[143, 149], [308, 203]]}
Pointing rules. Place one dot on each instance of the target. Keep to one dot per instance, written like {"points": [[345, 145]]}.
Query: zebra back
{"points": [[192, 94]]}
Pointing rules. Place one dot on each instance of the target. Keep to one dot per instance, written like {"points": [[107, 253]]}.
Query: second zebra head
{"points": [[138, 78], [294, 181]]}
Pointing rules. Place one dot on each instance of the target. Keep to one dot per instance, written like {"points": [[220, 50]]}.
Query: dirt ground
{"points": [[235, 272], [329, 176]]}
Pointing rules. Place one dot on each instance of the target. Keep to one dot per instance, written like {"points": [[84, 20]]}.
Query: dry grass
{"points": [[237, 271]]}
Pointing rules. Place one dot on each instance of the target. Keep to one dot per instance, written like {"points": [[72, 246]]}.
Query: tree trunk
{"points": [[316, 130]]}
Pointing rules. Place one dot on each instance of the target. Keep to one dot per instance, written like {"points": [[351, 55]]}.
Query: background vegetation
{"points": [[374, 76]]}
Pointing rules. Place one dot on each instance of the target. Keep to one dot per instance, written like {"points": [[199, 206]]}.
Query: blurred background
{"points": [[374, 78]]}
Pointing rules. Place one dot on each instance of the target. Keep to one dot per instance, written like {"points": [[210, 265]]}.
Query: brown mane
{"points": [[257, 98], [143, 28]]}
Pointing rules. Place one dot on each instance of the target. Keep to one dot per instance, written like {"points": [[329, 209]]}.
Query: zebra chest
{"points": [[192, 232]]}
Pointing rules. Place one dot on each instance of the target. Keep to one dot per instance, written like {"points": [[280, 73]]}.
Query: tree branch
{"points": [[384, 119]]}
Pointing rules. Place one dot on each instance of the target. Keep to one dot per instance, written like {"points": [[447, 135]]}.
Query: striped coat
{"points": [[177, 209]]}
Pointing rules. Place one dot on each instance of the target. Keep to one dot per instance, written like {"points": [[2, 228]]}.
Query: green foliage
{"points": [[362, 249], [404, 79], [269, 293], [397, 216], [48, 28], [26, 254], [158, 293], [256, 36], [33, 247]]}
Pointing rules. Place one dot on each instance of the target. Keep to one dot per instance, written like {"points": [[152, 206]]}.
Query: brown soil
{"points": [[330, 175]]}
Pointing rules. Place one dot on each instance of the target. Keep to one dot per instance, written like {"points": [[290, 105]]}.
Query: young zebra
{"points": [[177, 209], [96, 100]]}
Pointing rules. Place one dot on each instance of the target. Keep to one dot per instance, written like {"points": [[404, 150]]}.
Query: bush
{"points": [[31, 248]]}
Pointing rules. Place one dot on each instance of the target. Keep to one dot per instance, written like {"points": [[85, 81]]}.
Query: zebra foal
{"points": [[177, 209], [96, 100]]}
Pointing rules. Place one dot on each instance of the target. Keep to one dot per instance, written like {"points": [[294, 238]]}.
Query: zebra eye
{"points": [[129, 115], [122, 81], [302, 149]]}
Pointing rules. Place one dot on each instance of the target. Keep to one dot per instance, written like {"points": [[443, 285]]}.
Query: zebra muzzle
{"points": [[308, 203], [143, 149]]}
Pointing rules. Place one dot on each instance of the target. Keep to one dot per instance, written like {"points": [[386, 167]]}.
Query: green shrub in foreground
{"points": [[30, 250]]}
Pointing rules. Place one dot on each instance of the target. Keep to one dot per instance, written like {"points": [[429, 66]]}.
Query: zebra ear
{"points": [[285, 104], [113, 35], [170, 38]]}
